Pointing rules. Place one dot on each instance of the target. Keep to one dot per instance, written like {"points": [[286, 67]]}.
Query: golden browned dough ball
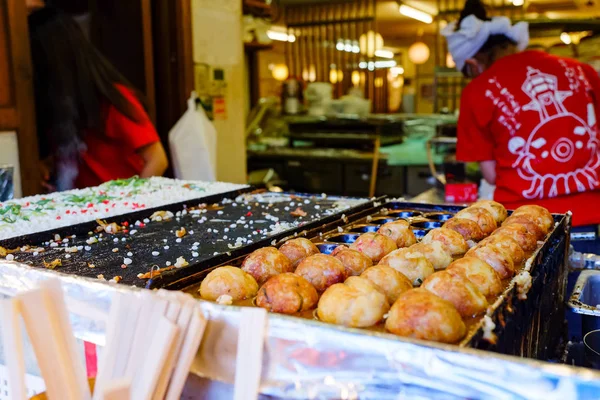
{"points": [[469, 230], [435, 252], [265, 263], [481, 216], [496, 209], [479, 273], [420, 314], [496, 257], [400, 232], [287, 293], [520, 234], [322, 271], [541, 215], [374, 245], [228, 281], [529, 223], [459, 291], [507, 243], [298, 249], [453, 241], [354, 261], [410, 263], [355, 303], [388, 281]]}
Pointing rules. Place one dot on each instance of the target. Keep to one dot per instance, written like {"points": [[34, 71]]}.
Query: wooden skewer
{"points": [[248, 368], [12, 340], [189, 347]]}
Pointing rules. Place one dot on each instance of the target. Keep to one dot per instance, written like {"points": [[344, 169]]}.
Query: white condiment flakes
{"points": [[67, 256], [115, 240], [53, 244], [178, 240], [194, 248], [196, 244], [488, 329], [10, 257], [155, 253], [115, 250], [226, 230], [71, 249], [181, 262], [87, 248], [166, 247], [129, 254], [127, 261], [225, 300], [133, 232], [317, 206], [219, 212], [168, 263], [195, 254]]}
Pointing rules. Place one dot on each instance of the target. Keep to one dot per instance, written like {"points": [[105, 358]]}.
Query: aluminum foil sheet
{"points": [[308, 359]]}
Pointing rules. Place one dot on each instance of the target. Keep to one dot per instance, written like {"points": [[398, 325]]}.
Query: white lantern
{"points": [[355, 78], [370, 42], [280, 72], [418, 53], [450, 61]]}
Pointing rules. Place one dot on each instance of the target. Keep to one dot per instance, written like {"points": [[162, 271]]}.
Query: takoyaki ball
{"points": [[400, 232], [453, 241], [468, 229], [388, 281], [481, 216], [529, 223], [420, 314], [354, 261], [520, 234], [355, 303], [265, 263], [459, 291], [287, 293], [541, 215], [228, 281], [496, 209], [410, 263], [298, 249], [435, 252], [479, 273], [496, 257], [374, 245], [507, 243], [322, 271]]}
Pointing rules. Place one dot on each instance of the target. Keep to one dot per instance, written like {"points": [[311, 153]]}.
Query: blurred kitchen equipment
{"points": [[291, 97], [7, 189], [592, 349], [318, 98]]}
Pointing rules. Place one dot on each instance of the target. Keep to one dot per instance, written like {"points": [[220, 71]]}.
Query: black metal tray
{"points": [[205, 244], [532, 328]]}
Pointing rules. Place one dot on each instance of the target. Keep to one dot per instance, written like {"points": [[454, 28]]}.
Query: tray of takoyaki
{"points": [[437, 273]]}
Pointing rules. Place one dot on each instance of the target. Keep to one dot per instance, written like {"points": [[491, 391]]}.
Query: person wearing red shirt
{"points": [[92, 125], [529, 118]]}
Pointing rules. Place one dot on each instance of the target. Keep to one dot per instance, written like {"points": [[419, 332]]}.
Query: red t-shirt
{"points": [[536, 116], [112, 154]]}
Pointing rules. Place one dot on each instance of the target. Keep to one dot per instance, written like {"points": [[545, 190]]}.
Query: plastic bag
{"points": [[193, 145]]}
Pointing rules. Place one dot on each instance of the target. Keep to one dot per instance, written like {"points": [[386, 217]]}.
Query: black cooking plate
{"points": [[211, 241]]}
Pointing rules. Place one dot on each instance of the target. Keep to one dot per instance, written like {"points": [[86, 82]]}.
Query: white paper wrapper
{"points": [[308, 359]]}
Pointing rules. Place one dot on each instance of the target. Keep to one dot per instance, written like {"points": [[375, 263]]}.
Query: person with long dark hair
{"points": [[92, 126], [529, 118]]}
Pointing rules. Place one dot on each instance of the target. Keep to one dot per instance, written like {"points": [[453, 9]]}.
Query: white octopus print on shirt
{"points": [[573, 155]]}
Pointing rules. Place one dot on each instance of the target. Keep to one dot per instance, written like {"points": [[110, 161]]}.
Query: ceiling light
{"points": [[419, 15], [372, 65], [518, 3], [384, 53], [281, 36], [566, 38]]}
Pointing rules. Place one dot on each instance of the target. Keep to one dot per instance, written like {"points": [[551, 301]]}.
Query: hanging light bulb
{"points": [[418, 53], [370, 42], [280, 72], [355, 78], [379, 82], [450, 61], [566, 38], [312, 73]]}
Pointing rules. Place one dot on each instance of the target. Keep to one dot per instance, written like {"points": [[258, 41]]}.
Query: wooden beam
{"points": [[25, 105]]}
